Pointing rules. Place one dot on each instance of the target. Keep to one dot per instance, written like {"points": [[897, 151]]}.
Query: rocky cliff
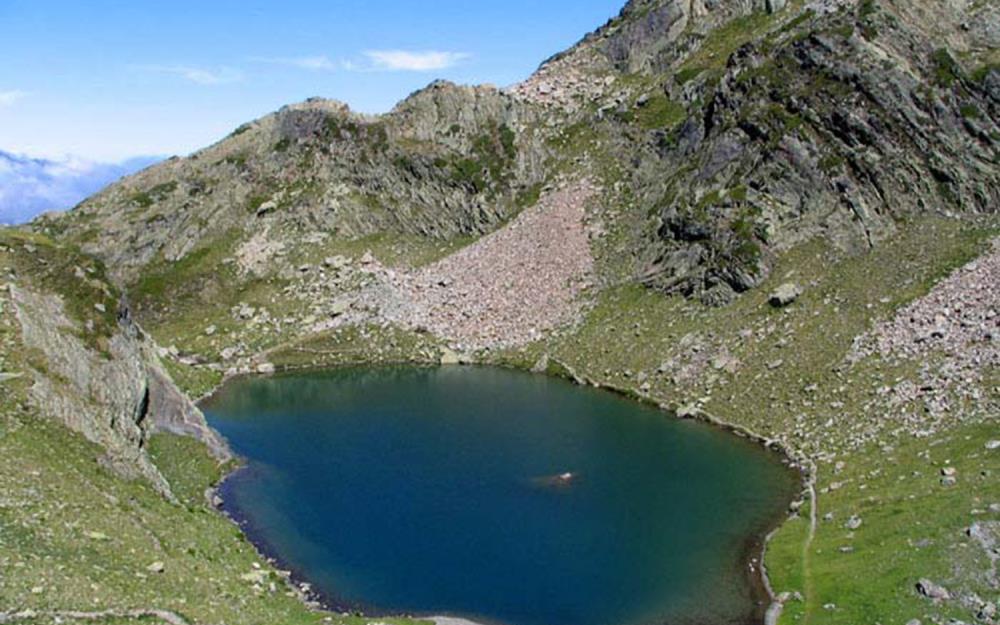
{"points": [[742, 128], [88, 364]]}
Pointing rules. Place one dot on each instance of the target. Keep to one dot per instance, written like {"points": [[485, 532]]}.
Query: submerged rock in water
{"points": [[559, 480]]}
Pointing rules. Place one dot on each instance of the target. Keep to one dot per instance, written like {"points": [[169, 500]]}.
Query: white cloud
{"points": [[197, 75], [409, 61], [8, 98], [314, 63], [374, 61], [30, 186]]}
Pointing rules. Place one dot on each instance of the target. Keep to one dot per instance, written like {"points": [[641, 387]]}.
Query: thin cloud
{"points": [[313, 63], [410, 61], [197, 75], [8, 98]]}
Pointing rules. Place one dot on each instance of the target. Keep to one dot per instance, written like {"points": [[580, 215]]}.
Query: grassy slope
{"points": [[177, 302], [75, 537]]}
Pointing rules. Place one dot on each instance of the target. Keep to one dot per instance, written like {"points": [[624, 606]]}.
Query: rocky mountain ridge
{"points": [[710, 137], [728, 131]]}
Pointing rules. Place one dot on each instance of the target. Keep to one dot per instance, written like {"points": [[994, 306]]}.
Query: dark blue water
{"points": [[431, 491]]}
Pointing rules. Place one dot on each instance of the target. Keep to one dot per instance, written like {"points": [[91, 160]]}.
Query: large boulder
{"points": [[785, 295]]}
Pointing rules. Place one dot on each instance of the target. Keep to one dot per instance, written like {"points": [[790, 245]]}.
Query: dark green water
{"points": [[427, 491]]}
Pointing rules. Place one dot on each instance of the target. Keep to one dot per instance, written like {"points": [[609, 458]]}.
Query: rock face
{"points": [[760, 127], [835, 129], [99, 376], [104, 397], [173, 412]]}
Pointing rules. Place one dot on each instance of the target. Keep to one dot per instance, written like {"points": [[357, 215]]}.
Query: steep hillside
{"points": [[773, 214], [738, 130], [102, 508], [723, 133]]}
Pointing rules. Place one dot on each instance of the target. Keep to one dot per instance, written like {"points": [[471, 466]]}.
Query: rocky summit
{"points": [[776, 215]]}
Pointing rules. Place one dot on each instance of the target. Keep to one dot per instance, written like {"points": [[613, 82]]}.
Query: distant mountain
{"points": [[31, 186]]}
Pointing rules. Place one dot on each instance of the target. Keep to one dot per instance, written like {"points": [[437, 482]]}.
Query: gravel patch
{"points": [[508, 288], [954, 331]]}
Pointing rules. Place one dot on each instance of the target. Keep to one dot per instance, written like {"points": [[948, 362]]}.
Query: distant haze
{"points": [[31, 186]]}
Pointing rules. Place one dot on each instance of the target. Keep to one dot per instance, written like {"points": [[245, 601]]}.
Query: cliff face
{"points": [[839, 131], [89, 366]]}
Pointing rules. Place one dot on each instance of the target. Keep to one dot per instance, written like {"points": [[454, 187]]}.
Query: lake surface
{"points": [[436, 491]]}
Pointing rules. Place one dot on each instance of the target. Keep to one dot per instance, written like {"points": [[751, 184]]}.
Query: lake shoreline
{"points": [[766, 606]]}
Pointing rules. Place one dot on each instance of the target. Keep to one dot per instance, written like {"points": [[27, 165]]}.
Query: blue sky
{"points": [[108, 80]]}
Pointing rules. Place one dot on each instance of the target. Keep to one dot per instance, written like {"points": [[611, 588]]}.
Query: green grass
{"points": [[195, 381], [913, 527], [946, 69], [358, 345], [720, 43], [787, 563], [660, 113], [187, 465]]}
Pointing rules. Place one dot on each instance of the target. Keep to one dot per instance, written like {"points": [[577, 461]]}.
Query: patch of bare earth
{"points": [[508, 288]]}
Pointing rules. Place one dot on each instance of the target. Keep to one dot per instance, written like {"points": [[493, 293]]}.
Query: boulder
{"points": [[785, 295], [932, 591], [339, 308], [449, 357]]}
